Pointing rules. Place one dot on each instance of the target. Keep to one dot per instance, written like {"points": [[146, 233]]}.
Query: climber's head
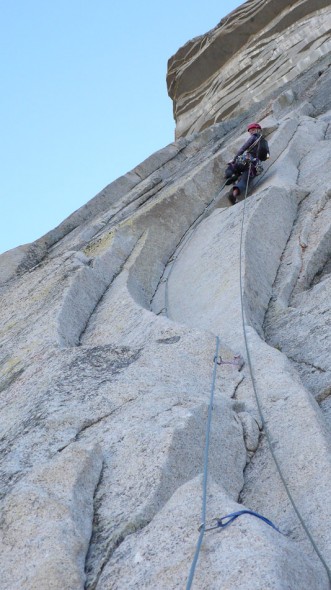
{"points": [[254, 128]]}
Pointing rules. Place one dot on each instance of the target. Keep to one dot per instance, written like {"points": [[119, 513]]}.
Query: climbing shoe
{"points": [[232, 198]]}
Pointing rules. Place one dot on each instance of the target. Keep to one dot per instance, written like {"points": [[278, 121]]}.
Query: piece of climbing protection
{"points": [[224, 521]]}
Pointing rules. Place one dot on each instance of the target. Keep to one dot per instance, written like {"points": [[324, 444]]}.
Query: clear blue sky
{"points": [[83, 98]]}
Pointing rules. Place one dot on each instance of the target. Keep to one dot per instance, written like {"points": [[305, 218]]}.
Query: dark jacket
{"points": [[248, 144]]}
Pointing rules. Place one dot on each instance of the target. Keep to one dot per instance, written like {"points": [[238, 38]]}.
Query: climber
{"points": [[246, 164]]}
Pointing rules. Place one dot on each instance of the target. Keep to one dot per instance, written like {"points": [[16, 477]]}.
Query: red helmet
{"points": [[253, 126]]}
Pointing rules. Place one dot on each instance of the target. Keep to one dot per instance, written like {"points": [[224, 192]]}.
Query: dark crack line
{"points": [[111, 282], [92, 423], [94, 512], [145, 196], [179, 247], [302, 362], [165, 182], [113, 544], [237, 386], [277, 284], [8, 381], [321, 397]]}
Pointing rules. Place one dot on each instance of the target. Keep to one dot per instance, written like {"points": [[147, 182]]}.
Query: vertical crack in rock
{"points": [[181, 459], [94, 422], [304, 309], [125, 400], [55, 509], [93, 522], [86, 291]]}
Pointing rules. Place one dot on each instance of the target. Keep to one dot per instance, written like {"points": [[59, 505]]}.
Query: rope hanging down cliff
{"points": [[230, 517], [202, 527], [259, 406], [205, 473]]}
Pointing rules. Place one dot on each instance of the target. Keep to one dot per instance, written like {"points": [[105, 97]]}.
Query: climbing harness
{"points": [[258, 402], [202, 528], [229, 518], [243, 161]]}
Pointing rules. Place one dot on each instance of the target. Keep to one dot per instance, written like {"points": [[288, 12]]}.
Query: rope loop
{"points": [[258, 401], [224, 521]]}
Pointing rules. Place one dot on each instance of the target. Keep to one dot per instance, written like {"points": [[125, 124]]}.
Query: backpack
{"points": [[263, 152]]}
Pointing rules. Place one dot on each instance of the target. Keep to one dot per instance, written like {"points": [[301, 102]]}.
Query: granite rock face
{"points": [[109, 331], [246, 58]]}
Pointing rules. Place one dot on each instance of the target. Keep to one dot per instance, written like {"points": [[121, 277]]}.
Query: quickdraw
{"points": [[237, 360], [229, 518]]}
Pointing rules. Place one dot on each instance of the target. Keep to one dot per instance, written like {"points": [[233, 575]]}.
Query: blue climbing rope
{"points": [[205, 472], [258, 402], [224, 521]]}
